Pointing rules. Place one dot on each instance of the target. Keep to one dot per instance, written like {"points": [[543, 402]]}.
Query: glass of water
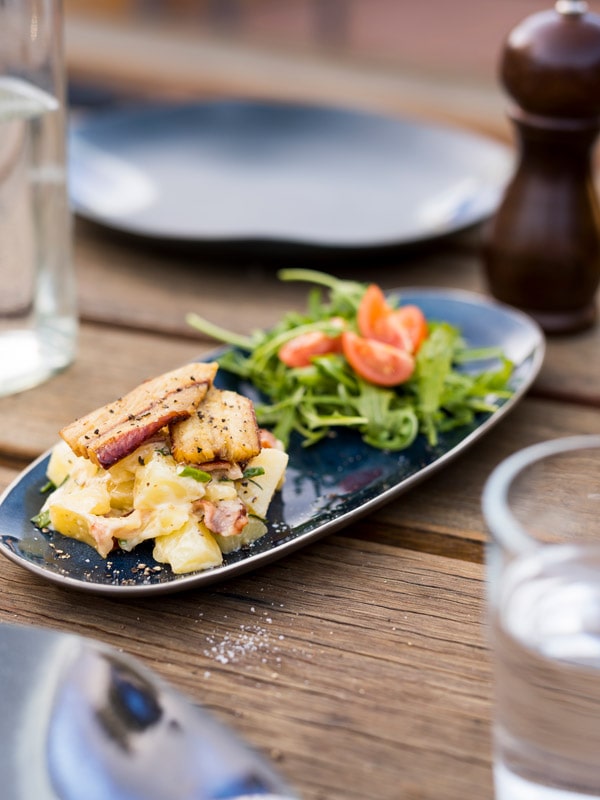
{"points": [[542, 508], [38, 323]]}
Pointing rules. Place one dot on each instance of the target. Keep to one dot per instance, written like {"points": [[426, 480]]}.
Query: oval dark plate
{"points": [[256, 172], [328, 485]]}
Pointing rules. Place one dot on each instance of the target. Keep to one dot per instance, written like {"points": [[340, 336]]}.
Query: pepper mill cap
{"points": [[550, 63]]}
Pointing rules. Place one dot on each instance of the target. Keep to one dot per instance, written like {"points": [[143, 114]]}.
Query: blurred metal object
{"points": [[80, 720]]}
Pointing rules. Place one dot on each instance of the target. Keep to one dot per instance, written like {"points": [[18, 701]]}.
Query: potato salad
{"points": [[176, 461]]}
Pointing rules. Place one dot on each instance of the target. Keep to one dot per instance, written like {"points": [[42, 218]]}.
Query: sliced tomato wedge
{"points": [[299, 351], [377, 362], [377, 320], [372, 309], [412, 320]]}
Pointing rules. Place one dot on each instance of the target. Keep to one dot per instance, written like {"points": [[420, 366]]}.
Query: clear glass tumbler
{"points": [[542, 508], [38, 320]]}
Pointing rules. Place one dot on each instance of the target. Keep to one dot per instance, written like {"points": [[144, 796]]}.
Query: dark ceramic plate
{"points": [[243, 172], [328, 485]]}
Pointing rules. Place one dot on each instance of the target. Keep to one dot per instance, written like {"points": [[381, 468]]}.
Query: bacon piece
{"points": [[227, 517], [224, 469], [112, 432], [223, 429], [103, 531]]}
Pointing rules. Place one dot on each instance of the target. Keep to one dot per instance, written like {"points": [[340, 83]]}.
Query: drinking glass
{"points": [[542, 508], [38, 323]]}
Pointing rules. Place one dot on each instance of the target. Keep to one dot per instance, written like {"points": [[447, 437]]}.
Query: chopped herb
{"points": [[253, 472], [41, 520], [196, 474], [48, 487]]}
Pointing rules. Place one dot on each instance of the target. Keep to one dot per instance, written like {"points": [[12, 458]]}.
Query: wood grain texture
{"points": [[339, 663]]}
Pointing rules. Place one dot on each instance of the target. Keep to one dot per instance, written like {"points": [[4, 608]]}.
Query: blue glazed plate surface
{"points": [[327, 487]]}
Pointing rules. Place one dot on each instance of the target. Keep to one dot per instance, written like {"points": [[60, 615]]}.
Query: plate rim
{"points": [[254, 561]]}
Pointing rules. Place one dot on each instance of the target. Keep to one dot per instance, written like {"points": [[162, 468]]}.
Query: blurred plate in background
{"points": [[227, 171]]}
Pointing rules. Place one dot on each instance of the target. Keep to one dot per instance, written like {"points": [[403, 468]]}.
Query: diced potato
{"points": [[64, 463], [77, 525], [258, 492], [158, 482], [221, 490], [121, 476], [162, 521], [71, 516], [126, 468], [253, 530], [121, 495], [92, 497], [189, 549]]}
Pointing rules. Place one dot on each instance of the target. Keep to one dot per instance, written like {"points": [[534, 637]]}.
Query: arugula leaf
{"points": [[432, 369]]}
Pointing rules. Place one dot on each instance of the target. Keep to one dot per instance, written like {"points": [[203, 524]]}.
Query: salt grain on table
{"points": [[235, 647]]}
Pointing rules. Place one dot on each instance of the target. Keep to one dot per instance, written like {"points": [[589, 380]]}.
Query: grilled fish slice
{"points": [[224, 428], [112, 432]]}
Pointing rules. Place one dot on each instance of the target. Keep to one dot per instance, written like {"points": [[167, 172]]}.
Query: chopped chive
{"points": [[41, 520], [197, 474]]}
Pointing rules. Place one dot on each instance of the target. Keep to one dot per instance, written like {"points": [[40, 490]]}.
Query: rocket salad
{"points": [[357, 359]]}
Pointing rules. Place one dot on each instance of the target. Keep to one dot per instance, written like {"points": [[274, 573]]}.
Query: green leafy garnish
{"points": [[41, 520], [328, 393], [197, 474], [253, 472]]}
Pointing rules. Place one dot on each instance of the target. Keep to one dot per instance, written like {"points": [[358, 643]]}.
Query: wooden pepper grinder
{"points": [[542, 249]]}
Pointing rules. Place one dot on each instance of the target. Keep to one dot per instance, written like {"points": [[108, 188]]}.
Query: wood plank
{"points": [[133, 283], [336, 663]]}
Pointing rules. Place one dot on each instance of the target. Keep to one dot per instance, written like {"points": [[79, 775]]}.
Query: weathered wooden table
{"points": [[359, 664]]}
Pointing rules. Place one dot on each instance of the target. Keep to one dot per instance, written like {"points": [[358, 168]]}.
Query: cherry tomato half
{"points": [[377, 320], [299, 351], [377, 362], [413, 321]]}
